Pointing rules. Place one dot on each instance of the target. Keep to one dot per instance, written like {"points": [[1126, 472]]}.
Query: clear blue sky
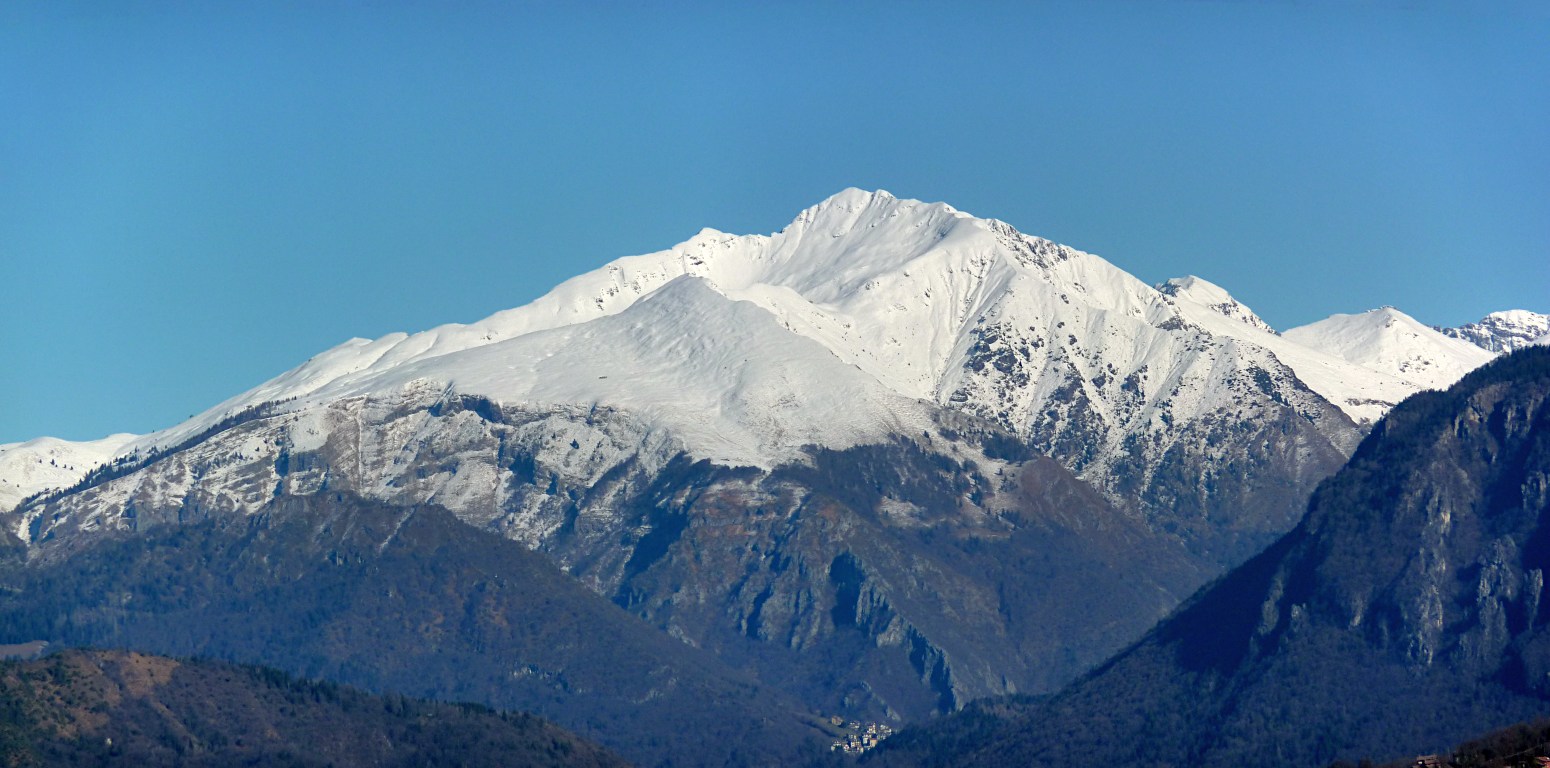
{"points": [[195, 197]]}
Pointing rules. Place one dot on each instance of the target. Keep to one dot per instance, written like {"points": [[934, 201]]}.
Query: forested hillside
{"points": [[118, 708]]}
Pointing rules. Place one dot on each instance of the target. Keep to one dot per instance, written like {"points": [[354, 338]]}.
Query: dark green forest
{"points": [[84, 707]]}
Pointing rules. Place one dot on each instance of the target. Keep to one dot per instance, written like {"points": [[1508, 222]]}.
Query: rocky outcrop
{"points": [[1503, 332], [1216, 444]]}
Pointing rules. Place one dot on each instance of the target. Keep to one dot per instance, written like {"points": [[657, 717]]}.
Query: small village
{"points": [[861, 736]]}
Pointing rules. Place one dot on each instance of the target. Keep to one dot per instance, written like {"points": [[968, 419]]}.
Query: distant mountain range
{"points": [[888, 460], [1402, 615]]}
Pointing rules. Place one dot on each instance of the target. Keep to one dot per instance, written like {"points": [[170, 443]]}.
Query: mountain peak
{"points": [[1503, 331], [1204, 293], [1388, 340], [710, 234], [1516, 316], [1191, 284], [855, 196], [856, 193], [1370, 321], [852, 209], [48, 462]]}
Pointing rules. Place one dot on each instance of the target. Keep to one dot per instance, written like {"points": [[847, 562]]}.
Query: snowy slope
{"points": [[1363, 392], [1503, 331], [761, 269], [748, 392], [887, 285], [894, 287], [1391, 342], [857, 319], [1202, 301], [48, 463]]}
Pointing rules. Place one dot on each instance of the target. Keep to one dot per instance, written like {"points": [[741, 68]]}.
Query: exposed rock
{"points": [[891, 580], [1401, 615]]}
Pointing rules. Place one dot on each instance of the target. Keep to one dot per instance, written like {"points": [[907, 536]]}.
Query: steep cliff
{"points": [[1402, 615]]}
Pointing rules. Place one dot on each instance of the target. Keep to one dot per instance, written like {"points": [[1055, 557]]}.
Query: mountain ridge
{"points": [[861, 317], [859, 273], [1401, 615], [1388, 340], [82, 707], [934, 233], [1505, 331], [404, 600]]}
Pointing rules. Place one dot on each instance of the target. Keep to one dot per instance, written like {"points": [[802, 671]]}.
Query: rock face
{"points": [[1206, 437], [1503, 332], [1403, 614]]}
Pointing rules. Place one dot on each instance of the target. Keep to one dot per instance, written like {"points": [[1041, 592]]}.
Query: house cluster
{"points": [[861, 736]]}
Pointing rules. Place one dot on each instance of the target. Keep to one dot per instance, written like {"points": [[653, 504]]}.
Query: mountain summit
{"points": [[867, 313], [1391, 341]]}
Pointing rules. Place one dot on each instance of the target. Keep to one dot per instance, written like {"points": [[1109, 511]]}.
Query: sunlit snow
{"points": [[843, 327]]}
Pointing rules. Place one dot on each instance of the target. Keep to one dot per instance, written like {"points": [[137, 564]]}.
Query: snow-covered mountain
{"points": [[867, 313], [48, 463], [1392, 342], [765, 443], [1363, 392], [1503, 332]]}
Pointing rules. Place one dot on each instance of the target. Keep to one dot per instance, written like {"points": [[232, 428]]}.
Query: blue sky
{"points": [[195, 197]]}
